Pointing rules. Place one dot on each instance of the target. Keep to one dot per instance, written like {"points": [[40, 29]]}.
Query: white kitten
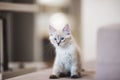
{"points": [[67, 60]]}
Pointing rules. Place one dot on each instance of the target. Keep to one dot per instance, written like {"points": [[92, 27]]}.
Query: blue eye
{"points": [[62, 38], [55, 39]]}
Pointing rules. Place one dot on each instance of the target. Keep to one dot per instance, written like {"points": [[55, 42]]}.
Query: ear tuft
{"points": [[66, 29]]}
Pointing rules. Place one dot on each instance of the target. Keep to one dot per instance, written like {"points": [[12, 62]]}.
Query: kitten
{"points": [[67, 60]]}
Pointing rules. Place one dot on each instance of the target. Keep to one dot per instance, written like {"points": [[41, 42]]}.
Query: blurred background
{"points": [[24, 43]]}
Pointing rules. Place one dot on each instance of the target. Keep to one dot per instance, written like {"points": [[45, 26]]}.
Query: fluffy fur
{"points": [[67, 58]]}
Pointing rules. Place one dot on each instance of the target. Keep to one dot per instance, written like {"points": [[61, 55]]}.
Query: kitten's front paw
{"points": [[75, 76], [53, 77]]}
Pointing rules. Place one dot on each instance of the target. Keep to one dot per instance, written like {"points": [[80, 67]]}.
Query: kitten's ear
{"points": [[51, 30], [66, 29]]}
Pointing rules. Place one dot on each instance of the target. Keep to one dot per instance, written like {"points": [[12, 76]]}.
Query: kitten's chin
{"points": [[58, 46], [61, 46]]}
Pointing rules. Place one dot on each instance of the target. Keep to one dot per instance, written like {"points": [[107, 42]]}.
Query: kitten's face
{"points": [[60, 38]]}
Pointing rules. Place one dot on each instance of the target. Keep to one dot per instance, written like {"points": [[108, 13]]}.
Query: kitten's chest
{"points": [[66, 56]]}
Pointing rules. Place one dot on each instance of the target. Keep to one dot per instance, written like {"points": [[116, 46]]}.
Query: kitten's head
{"points": [[60, 38]]}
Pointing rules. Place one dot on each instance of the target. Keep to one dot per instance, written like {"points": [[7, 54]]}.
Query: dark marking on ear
{"points": [[68, 34]]}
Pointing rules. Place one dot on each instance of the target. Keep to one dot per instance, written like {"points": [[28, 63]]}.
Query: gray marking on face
{"points": [[58, 39]]}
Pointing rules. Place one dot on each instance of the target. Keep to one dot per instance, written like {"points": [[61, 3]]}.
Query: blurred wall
{"points": [[95, 14], [22, 37]]}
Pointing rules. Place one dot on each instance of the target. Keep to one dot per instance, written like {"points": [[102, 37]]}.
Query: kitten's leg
{"points": [[75, 72], [56, 72]]}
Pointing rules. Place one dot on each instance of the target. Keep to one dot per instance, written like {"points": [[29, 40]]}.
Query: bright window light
{"points": [[58, 20], [56, 3]]}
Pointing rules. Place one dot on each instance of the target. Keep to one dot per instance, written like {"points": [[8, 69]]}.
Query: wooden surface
{"points": [[7, 6], [18, 72], [44, 75]]}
